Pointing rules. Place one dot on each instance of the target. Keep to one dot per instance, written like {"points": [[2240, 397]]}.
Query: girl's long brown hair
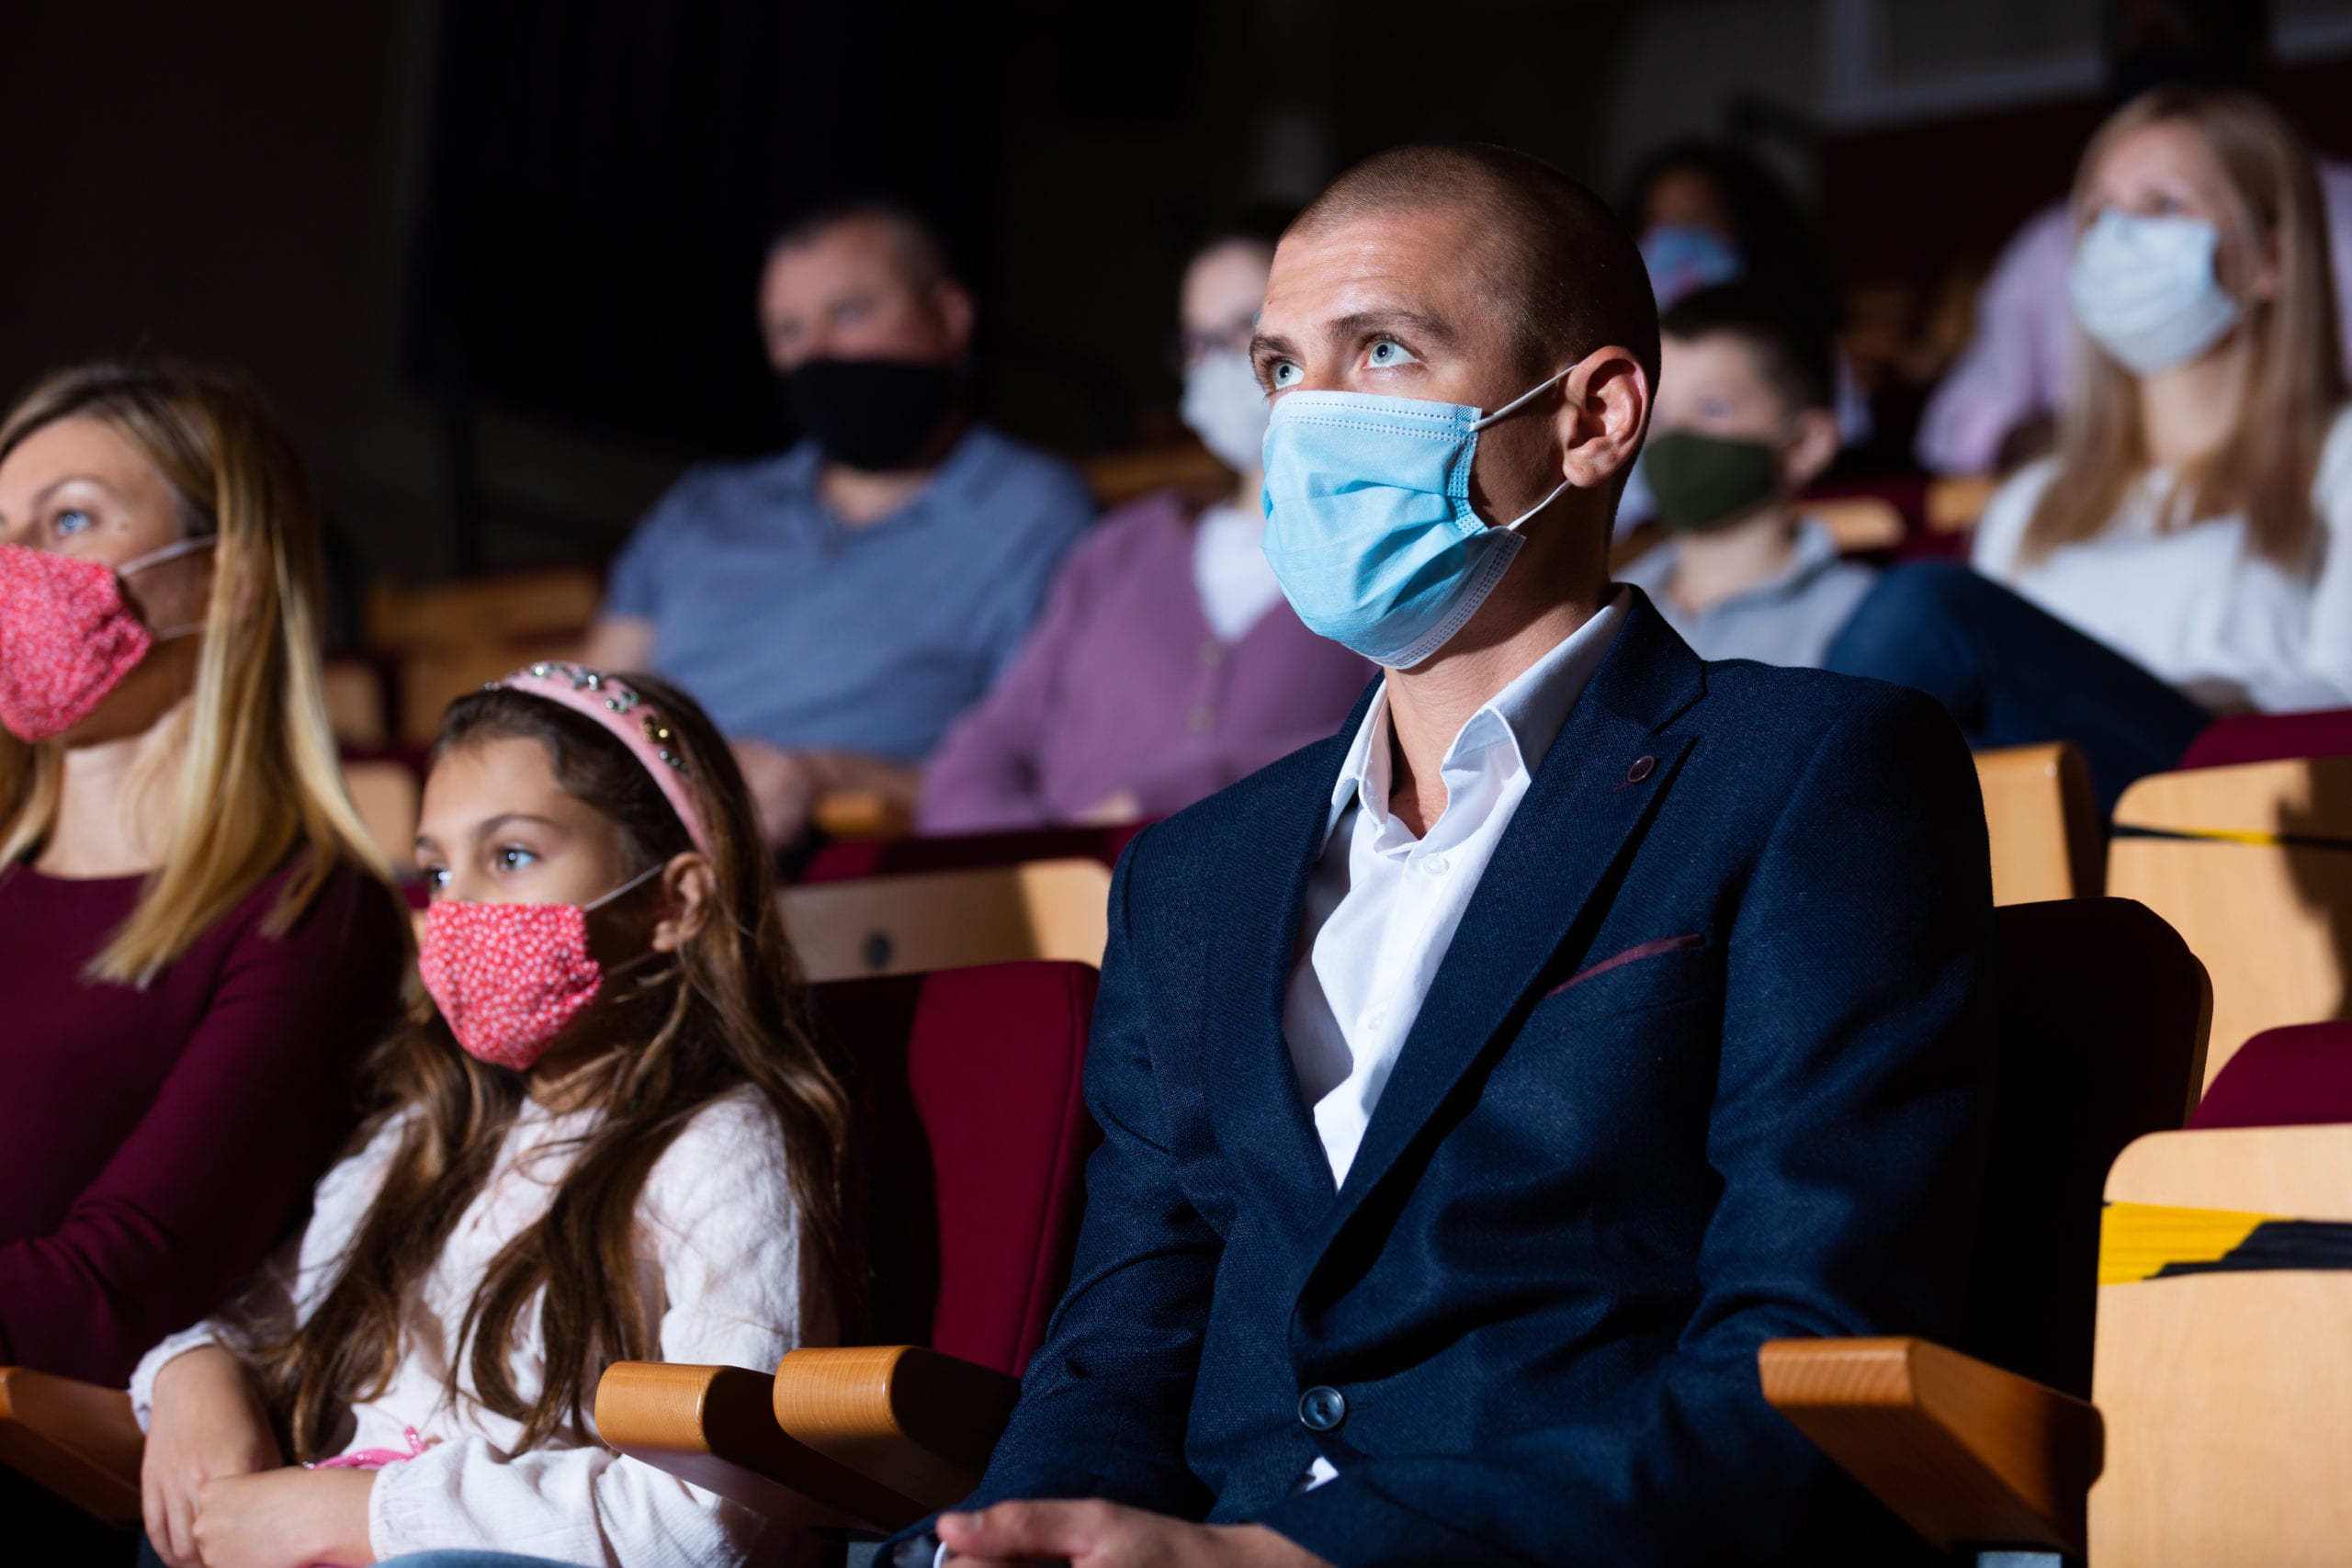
{"points": [[730, 1012], [2293, 377], [258, 771]]}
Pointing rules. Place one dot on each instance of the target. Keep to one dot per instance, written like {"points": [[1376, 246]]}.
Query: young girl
{"points": [[614, 1139], [2187, 549]]}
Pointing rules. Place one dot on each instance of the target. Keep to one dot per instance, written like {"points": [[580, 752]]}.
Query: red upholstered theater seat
{"points": [[978, 1137], [856, 859], [2271, 736], [2283, 1077]]}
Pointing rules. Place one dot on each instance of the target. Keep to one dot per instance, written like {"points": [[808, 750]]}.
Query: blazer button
{"points": [[1320, 1409]]}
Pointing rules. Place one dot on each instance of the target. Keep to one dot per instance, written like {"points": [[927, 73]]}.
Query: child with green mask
{"points": [[1743, 420]]}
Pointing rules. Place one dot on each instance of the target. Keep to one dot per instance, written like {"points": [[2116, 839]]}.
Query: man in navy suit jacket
{"points": [[1480, 1087]]}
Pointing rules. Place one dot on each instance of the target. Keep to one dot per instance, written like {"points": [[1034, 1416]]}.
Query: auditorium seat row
{"points": [[975, 1136]]}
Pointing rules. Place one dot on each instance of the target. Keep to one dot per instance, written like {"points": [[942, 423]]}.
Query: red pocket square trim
{"points": [[1631, 955]]}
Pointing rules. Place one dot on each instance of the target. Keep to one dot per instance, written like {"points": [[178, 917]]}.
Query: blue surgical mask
{"points": [[1682, 259], [2143, 289], [1368, 521]]}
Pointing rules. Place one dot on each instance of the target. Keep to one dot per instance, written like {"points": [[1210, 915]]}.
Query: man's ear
{"points": [[1812, 449], [1604, 408], [688, 891], [952, 303]]}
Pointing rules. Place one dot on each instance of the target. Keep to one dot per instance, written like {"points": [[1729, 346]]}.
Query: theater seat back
{"points": [[2271, 738], [2101, 1018], [852, 859], [976, 1138], [2283, 1077]]}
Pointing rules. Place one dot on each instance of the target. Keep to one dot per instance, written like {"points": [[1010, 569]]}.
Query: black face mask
{"points": [[875, 414]]}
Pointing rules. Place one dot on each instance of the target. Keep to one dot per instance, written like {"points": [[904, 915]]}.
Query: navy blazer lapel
{"points": [[1598, 781], [1260, 1114]]}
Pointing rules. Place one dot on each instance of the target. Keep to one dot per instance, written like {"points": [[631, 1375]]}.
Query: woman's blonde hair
{"points": [[257, 776], [2294, 379]]}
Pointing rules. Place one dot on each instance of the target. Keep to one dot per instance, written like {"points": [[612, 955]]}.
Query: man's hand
{"points": [[207, 1423], [285, 1519], [1106, 1535], [1114, 810], [782, 788]]}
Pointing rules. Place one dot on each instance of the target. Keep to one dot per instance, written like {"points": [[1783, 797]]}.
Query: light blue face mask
{"points": [[2144, 290], [1368, 521]]}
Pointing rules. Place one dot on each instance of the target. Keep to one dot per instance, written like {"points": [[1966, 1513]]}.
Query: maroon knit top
{"points": [[157, 1143]]}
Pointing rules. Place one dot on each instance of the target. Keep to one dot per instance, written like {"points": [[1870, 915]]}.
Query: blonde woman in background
{"points": [[197, 940], [2185, 552]]}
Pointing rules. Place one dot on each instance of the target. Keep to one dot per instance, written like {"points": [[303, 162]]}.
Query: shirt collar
{"points": [[1812, 552], [1523, 718], [965, 472]]}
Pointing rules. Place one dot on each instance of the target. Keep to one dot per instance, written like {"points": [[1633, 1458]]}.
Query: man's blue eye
{"points": [[1287, 374], [73, 521], [1385, 354]]}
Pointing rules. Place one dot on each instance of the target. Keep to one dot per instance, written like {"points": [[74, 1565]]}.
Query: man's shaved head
{"points": [[1551, 255]]}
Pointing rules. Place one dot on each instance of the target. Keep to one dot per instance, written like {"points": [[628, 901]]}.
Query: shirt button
{"points": [[1321, 1409], [1434, 865], [1201, 718], [1212, 654]]}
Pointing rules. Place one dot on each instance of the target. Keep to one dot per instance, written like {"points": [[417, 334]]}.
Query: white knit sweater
{"points": [[718, 1269], [2192, 605]]}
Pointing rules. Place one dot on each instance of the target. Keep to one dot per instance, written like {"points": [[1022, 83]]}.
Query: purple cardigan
{"points": [[1123, 686]]}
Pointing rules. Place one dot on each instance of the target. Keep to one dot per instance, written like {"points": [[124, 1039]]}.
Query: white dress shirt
{"points": [[1231, 572], [1382, 906]]}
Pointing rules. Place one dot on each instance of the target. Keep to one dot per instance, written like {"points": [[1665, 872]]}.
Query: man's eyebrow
{"points": [[1271, 343], [1363, 323]]}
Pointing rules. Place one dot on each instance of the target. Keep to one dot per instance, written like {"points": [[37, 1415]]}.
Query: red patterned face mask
{"points": [[510, 976], [66, 635]]}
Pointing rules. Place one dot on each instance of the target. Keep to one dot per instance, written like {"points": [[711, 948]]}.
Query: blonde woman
{"points": [[195, 938], [2185, 551]]}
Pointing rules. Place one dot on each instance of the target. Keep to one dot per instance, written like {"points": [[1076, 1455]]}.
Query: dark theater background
{"points": [[495, 260]]}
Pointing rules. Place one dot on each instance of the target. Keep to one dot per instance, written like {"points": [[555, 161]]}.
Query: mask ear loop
{"points": [[1513, 406], [157, 558], [639, 880]]}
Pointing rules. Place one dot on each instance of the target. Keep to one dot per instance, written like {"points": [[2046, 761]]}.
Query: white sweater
{"points": [[718, 1269], [2192, 606]]}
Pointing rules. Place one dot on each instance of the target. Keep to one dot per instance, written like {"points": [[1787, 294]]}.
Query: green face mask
{"points": [[1702, 482]]}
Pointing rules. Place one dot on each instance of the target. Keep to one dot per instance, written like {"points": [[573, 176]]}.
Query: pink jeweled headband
{"points": [[613, 703]]}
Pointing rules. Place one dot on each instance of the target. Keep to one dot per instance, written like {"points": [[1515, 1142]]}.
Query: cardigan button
{"points": [[1320, 1409], [1201, 719], [1643, 767], [1212, 654]]}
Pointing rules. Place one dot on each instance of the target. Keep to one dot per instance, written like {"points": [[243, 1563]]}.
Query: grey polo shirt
{"points": [[1789, 619], [797, 628]]}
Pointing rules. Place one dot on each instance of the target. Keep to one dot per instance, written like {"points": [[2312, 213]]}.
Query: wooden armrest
{"points": [[77, 1439], [715, 1426], [860, 814], [920, 1423], [1968, 1455]]}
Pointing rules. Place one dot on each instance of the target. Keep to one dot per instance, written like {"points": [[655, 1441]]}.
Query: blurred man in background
{"points": [[835, 606]]}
